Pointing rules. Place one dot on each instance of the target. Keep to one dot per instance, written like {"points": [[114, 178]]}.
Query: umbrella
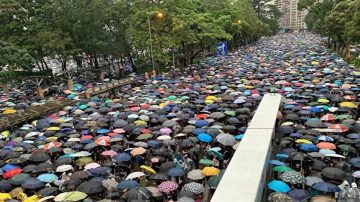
{"points": [[310, 180], [292, 177], [138, 194], [226, 139], [135, 175], [326, 187], [47, 177], [5, 186], [127, 184], [110, 184], [195, 175], [204, 137], [71, 196], [299, 194], [159, 176], [278, 186], [48, 191], [167, 186], [122, 157], [282, 169], [90, 187], [175, 172], [138, 151], [210, 171], [194, 187], [32, 183], [333, 173], [214, 181], [279, 197]]}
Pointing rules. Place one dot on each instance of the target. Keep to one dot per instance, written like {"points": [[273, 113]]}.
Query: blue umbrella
{"points": [[296, 135], [299, 194], [239, 137], [281, 156], [353, 136], [32, 183], [315, 110], [8, 167], [276, 163], [127, 184], [308, 147], [175, 172], [197, 131], [326, 187], [204, 137], [99, 171], [47, 177], [201, 123], [5, 186], [103, 131], [122, 157], [278, 186], [153, 143]]}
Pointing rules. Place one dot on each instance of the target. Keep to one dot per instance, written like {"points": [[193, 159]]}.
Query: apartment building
{"points": [[292, 18]]}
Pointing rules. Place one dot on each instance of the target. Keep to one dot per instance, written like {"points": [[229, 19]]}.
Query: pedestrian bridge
{"points": [[246, 175], [108, 86]]}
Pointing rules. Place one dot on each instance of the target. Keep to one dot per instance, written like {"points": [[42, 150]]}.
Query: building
{"points": [[292, 18]]}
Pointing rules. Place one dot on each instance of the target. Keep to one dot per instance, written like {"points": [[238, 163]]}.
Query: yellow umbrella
{"points": [[54, 128], [34, 122], [52, 138], [303, 141], [314, 63], [140, 123], [162, 105], [148, 169], [348, 104], [323, 100], [210, 171], [209, 101], [9, 111], [5, 133], [209, 87], [4, 196], [288, 123], [211, 97], [71, 196], [249, 87], [33, 198], [315, 80]]}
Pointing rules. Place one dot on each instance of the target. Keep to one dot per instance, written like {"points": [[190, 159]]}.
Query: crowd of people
{"points": [[171, 138]]}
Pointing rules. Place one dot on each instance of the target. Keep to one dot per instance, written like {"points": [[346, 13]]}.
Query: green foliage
{"points": [[106, 30], [14, 57], [6, 75], [268, 13]]}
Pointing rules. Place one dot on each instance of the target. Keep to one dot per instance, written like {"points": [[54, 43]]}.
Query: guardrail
{"points": [[10, 120], [108, 86], [245, 178]]}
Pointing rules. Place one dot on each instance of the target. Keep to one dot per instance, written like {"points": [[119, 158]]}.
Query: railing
{"points": [[32, 113], [245, 178], [108, 86]]}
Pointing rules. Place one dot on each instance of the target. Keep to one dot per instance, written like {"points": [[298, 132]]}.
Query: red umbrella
{"points": [[328, 117], [12, 173], [86, 137], [339, 128]]}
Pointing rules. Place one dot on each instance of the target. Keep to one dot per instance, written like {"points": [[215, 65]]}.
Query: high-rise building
{"points": [[292, 18]]}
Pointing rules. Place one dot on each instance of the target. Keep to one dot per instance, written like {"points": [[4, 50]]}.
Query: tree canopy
{"points": [[104, 30]]}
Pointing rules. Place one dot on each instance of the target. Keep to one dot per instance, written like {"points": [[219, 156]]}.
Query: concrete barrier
{"points": [[245, 177]]}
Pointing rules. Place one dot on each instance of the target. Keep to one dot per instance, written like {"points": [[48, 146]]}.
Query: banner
{"points": [[222, 48]]}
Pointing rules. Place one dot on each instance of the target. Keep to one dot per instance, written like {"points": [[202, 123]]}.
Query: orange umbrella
{"points": [[104, 141], [326, 145], [138, 151], [51, 145]]}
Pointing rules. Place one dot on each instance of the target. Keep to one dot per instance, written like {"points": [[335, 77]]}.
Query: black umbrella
{"points": [[138, 193], [90, 187], [333, 173]]}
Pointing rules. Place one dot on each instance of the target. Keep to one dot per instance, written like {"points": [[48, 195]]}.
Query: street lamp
{"points": [[158, 15]]}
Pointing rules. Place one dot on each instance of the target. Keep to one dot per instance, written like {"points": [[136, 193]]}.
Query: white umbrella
{"points": [[226, 139], [64, 168], [195, 175], [135, 175]]}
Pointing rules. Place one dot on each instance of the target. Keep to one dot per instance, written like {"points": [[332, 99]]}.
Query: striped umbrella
{"points": [[168, 186]]}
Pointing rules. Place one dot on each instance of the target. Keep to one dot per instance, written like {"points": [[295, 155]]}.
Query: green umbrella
{"points": [[144, 136], [230, 113], [71, 196], [172, 98], [207, 162], [214, 181], [82, 107], [282, 169], [84, 161]]}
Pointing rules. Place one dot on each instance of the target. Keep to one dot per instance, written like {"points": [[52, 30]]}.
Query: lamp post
{"points": [[158, 15]]}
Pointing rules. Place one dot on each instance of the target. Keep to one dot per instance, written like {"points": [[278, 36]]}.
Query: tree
{"points": [[14, 57], [268, 13]]}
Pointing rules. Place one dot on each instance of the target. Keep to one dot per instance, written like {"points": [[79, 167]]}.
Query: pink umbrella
{"points": [[135, 109], [119, 130], [165, 130], [168, 186], [86, 137], [62, 113], [91, 166], [110, 153]]}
